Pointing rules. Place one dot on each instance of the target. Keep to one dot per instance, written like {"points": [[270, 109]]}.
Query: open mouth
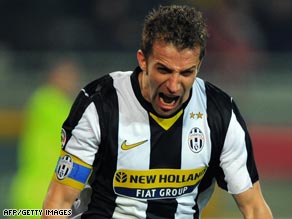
{"points": [[168, 100]]}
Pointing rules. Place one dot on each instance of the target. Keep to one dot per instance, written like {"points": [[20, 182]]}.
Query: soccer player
{"points": [[37, 153], [152, 142]]}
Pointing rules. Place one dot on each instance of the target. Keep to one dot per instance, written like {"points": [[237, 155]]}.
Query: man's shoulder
{"points": [[104, 84], [213, 91], [217, 100]]}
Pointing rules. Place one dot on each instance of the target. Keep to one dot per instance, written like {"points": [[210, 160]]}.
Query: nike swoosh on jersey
{"points": [[130, 146]]}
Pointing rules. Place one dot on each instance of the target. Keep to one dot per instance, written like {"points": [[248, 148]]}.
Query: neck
{"points": [[143, 85]]}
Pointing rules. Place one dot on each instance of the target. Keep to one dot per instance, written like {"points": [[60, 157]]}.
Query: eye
{"points": [[164, 70], [187, 72]]}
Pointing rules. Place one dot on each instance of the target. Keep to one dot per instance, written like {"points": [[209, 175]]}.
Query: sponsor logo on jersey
{"points": [[126, 146], [63, 137], [196, 140], [156, 183], [64, 167]]}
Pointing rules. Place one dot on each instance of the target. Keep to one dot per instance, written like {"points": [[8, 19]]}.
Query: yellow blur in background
{"points": [[40, 136]]}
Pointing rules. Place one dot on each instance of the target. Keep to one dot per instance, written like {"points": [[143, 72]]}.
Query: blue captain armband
{"points": [[72, 171]]}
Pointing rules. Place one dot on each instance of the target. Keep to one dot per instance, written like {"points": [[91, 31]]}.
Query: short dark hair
{"points": [[183, 26]]}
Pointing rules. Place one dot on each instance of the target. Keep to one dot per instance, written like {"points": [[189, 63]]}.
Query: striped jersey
{"points": [[145, 166]]}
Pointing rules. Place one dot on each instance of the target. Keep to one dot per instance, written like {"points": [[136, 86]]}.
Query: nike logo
{"points": [[130, 146]]}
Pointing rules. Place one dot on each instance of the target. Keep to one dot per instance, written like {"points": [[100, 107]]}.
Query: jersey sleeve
{"points": [[81, 134], [236, 159], [80, 143], [84, 136]]}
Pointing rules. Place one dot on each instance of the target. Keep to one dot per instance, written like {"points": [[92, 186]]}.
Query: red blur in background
{"points": [[273, 151]]}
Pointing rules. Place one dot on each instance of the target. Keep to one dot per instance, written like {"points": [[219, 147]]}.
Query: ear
{"points": [[141, 60], [199, 65]]}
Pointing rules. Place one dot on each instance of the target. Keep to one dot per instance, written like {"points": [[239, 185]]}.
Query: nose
{"points": [[173, 83]]}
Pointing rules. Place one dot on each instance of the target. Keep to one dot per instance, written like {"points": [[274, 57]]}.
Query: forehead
{"points": [[172, 57]]}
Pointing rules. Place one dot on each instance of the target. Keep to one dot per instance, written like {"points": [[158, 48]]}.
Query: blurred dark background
{"points": [[102, 25], [249, 54]]}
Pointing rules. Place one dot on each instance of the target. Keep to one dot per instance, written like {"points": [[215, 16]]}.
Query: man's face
{"points": [[168, 75]]}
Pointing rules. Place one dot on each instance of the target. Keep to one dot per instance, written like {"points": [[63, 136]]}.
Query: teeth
{"points": [[166, 103]]}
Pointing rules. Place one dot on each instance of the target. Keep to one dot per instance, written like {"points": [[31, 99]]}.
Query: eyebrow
{"points": [[171, 70]]}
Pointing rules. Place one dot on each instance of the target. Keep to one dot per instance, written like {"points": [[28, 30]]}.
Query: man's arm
{"points": [[252, 204], [59, 196]]}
